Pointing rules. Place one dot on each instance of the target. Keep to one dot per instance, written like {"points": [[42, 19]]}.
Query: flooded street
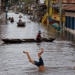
{"points": [[58, 56]]}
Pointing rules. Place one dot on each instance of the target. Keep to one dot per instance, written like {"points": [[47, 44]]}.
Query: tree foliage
{"points": [[14, 2], [27, 2]]}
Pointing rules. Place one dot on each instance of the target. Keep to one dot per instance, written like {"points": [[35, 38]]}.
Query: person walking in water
{"points": [[40, 64]]}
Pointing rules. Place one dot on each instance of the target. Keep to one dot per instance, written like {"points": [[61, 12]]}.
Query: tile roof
{"points": [[70, 7], [67, 1]]}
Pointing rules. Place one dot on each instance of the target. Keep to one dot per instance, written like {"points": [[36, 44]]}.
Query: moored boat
{"points": [[16, 12], [12, 19], [20, 24]]}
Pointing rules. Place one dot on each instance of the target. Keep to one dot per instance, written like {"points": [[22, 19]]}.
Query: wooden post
{"points": [[48, 14], [60, 12], [63, 26]]}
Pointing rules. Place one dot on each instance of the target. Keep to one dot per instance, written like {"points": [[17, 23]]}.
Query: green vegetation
{"points": [[27, 2], [14, 2], [19, 2], [10, 4]]}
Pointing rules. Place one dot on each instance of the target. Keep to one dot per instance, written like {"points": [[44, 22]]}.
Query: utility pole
{"points": [[6, 9], [60, 15], [60, 12], [30, 9]]}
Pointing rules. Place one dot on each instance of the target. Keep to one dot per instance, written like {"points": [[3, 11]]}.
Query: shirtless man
{"points": [[40, 64]]}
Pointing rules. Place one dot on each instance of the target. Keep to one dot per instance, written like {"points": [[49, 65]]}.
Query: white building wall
{"points": [[42, 1]]}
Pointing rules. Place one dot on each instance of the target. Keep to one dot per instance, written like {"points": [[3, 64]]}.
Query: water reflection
{"points": [[58, 56]]}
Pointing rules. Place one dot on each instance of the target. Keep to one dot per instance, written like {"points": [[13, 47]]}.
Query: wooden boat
{"points": [[20, 16], [16, 12], [11, 20], [27, 40], [21, 24], [11, 40]]}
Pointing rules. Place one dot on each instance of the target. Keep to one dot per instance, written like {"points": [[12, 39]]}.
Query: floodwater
{"points": [[58, 56]]}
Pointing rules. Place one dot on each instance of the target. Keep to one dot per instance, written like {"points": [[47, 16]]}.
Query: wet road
{"points": [[58, 56]]}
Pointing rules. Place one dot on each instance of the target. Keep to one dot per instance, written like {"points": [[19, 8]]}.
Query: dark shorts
{"points": [[40, 63]]}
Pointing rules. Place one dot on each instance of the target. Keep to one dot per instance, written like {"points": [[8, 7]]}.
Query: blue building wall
{"points": [[69, 22]]}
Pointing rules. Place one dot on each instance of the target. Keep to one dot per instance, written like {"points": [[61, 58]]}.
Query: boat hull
{"points": [[21, 24], [27, 40]]}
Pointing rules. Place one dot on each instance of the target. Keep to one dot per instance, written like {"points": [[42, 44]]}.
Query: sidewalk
{"points": [[2, 21], [70, 30], [2, 17]]}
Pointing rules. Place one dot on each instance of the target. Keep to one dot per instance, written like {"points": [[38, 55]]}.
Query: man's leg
{"points": [[39, 54], [30, 60]]}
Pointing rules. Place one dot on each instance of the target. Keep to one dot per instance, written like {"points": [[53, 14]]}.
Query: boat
{"points": [[16, 12], [20, 24], [27, 40], [11, 40], [20, 16], [11, 20]]}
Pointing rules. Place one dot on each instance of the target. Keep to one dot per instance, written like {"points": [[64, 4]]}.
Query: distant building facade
{"points": [[67, 1], [2, 10]]}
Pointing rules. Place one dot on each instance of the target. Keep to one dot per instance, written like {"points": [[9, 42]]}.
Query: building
{"points": [[68, 14], [67, 1], [3, 10], [70, 18], [53, 13]]}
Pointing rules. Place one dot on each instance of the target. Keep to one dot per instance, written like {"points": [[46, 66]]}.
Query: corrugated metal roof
{"points": [[70, 7], [67, 1]]}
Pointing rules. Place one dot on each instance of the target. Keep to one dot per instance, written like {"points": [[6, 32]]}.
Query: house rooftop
{"points": [[67, 1], [70, 7]]}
